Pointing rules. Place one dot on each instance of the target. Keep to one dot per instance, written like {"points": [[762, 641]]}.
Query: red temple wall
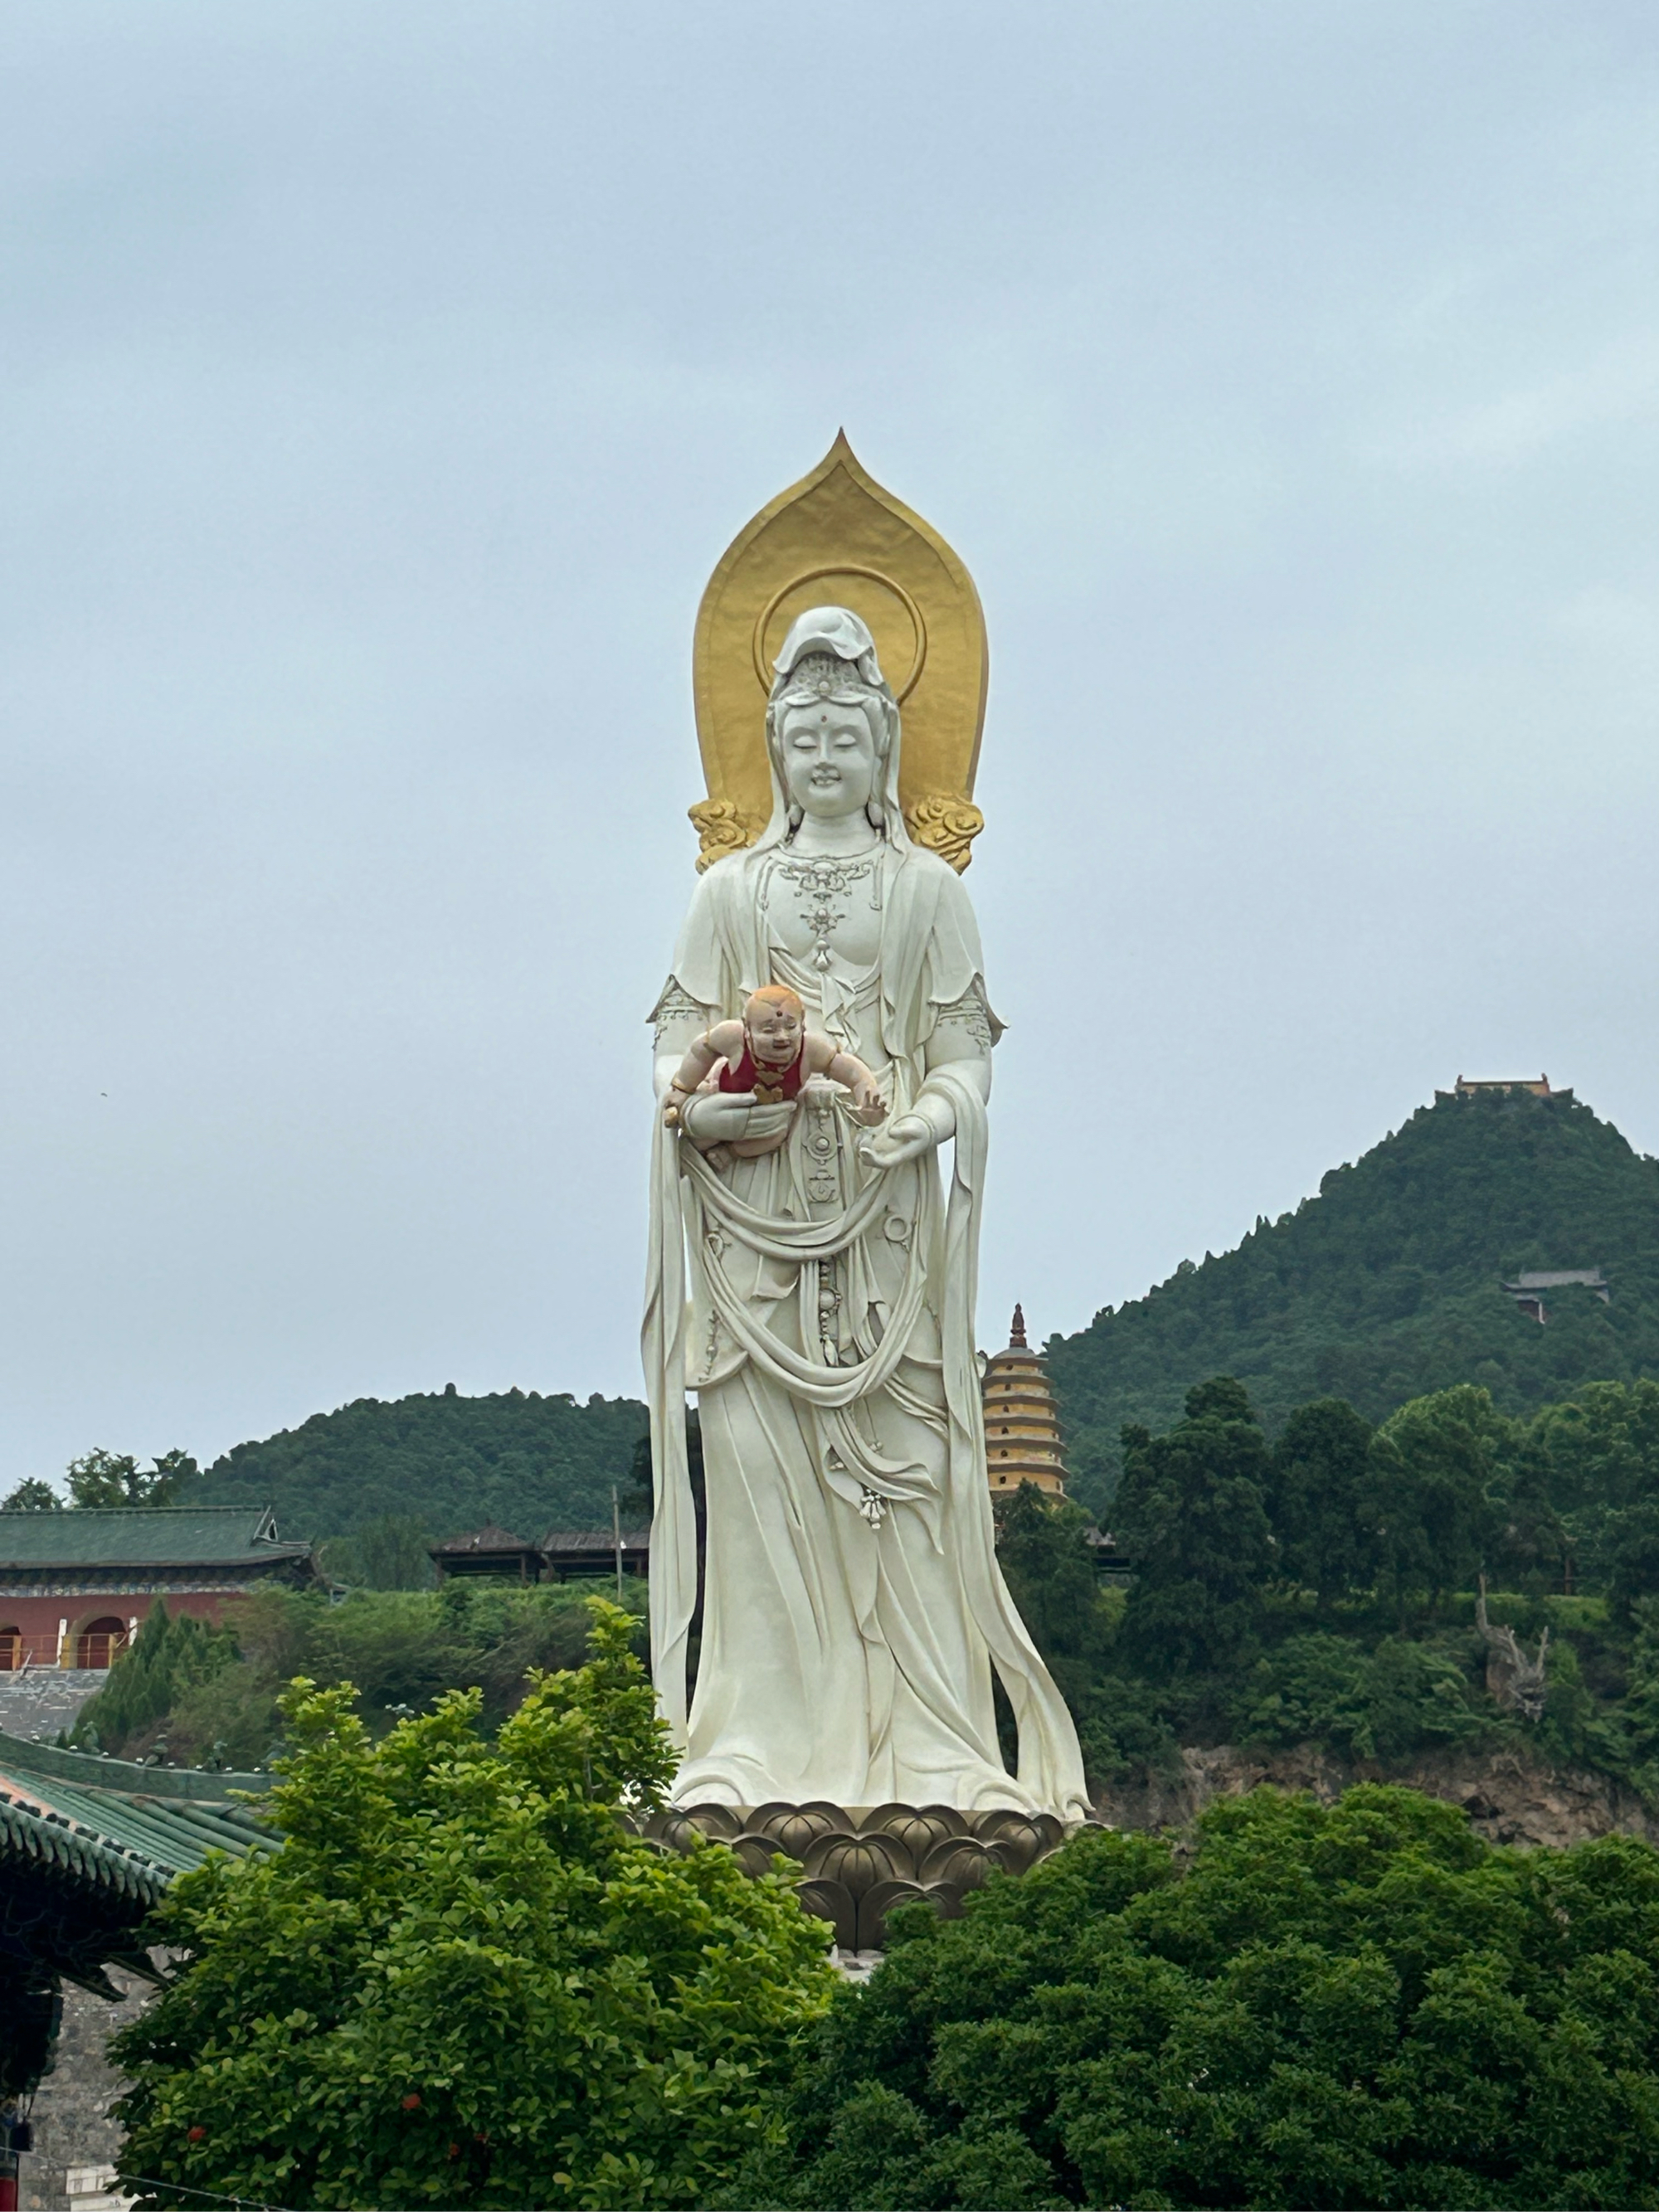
{"points": [[36, 1621]]}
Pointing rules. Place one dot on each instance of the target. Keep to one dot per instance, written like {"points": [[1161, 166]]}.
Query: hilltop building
{"points": [[1504, 1086], [1527, 1289], [1022, 1428], [76, 1585], [562, 1555]]}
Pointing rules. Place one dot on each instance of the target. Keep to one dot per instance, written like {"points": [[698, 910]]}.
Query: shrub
{"points": [[461, 1981]]}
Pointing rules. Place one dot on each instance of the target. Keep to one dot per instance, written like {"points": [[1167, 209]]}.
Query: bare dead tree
{"points": [[1516, 1682]]}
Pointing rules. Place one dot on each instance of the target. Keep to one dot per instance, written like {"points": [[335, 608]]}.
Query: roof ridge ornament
{"points": [[839, 537]]}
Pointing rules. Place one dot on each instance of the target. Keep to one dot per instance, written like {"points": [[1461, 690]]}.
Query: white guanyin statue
{"points": [[854, 1609]]}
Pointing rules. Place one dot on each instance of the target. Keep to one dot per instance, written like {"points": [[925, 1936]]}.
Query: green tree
{"points": [[1045, 1557], [461, 1981], [169, 1657], [1353, 2005], [1191, 1519], [32, 1496], [388, 1552], [527, 1461], [1433, 1464], [1602, 1449], [107, 1478], [1320, 1500], [1043, 1550]]}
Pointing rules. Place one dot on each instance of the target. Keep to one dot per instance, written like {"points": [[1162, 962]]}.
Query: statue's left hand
{"points": [[906, 1138]]}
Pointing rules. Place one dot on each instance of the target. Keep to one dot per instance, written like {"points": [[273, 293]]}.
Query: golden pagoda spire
{"points": [[1022, 1429]]}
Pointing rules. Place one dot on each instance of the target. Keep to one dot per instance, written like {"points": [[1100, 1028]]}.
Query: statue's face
{"points": [[774, 1031], [829, 759]]}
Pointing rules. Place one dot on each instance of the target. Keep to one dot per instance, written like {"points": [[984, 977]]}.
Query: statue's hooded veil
{"points": [[837, 633]]}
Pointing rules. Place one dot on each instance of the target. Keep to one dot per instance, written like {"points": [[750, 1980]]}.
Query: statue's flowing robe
{"points": [[853, 1607]]}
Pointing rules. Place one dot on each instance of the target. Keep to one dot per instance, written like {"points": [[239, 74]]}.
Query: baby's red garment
{"points": [[746, 1074]]}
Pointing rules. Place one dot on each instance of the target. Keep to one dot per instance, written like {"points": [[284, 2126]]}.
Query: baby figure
{"points": [[771, 1052]]}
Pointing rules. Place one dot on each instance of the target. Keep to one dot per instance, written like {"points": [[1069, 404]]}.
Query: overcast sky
{"points": [[382, 383]]}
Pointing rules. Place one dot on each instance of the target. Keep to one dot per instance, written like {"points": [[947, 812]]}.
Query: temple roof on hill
{"points": [[145, 1536], [1551, 1279], [489, 1537], [594, 1539]]}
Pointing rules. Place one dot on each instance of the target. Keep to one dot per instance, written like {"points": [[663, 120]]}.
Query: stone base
{"points": [[858, 1863]]}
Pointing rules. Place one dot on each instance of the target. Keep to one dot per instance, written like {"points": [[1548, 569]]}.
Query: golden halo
{"points": [[839, 522], [763, 669]]}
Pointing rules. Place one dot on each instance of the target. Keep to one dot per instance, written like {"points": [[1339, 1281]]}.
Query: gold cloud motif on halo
{"points": [[946, 826]]}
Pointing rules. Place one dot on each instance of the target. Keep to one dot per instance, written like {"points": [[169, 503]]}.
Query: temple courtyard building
{"points": [[76, 1586]]}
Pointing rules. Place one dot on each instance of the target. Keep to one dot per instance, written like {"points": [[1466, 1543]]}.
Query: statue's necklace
{"points": [[818, 884]]}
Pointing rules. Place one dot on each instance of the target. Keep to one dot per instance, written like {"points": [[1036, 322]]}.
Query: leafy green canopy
{"points": [[1353, 2006], [1320, 1588], [215, 1697], [439, 1462], [32, 1496], [461, 1982], [1388, 1285], [102, 1477]]}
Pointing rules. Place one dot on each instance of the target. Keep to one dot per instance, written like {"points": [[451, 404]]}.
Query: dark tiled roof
{"points": [[147, 1537], [489, 1537], [594, 1539]]}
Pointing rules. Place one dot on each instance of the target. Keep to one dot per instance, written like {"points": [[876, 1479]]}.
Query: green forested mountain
{"points": [[1389, 1285], [445, 1463]]}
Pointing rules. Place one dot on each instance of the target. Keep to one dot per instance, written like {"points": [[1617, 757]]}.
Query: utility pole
{"points": [[616, 1531]]}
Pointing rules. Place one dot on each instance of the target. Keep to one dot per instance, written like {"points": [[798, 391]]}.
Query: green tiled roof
{"points": [[124, 1839], [144, 1536], [92, 1769]]}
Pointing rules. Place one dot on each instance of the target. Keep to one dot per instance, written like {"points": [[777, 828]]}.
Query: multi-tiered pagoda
{"points": [[1021, 1430]]}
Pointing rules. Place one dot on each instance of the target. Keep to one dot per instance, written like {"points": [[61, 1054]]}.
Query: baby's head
{"points": [[774, 1021]]}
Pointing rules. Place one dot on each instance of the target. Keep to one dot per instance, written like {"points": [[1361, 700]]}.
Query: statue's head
{"points": [[832, 727], [774, 1021]]}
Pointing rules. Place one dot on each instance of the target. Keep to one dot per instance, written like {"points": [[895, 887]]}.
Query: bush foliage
{"points": [[1320, 1588], [215, 1697], [460, 1981], [1362, 2005]]}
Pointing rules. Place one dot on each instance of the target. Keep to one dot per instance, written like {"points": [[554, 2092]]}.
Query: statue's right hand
{"points": [[716, 1117]]}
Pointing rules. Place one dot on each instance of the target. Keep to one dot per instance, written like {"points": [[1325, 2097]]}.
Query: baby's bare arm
{"points": [[847, 1068], [721, 1042]]}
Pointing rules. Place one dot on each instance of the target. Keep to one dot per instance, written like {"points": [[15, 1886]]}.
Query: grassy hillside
{"points": [[445, 1463], [1386, 1285]]}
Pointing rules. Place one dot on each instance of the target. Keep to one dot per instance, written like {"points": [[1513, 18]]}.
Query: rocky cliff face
{"points": [[1508, 1799]]}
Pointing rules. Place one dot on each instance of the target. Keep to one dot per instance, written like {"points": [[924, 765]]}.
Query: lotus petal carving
{"points": [[830, 1902], [960, 1862], [720, 1821], [762, 1820], [917, 1831], [857, 1867], [956, 1824], [874, 1906], [795, 1831], [674, 1830], [859, 1862], [755, 1854]]}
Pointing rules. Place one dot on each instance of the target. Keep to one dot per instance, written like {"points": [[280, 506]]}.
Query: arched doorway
{"points": [[100, 1640], [11, 1649]]}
